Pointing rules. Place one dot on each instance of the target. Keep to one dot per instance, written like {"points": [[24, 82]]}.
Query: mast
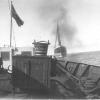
{"points": [[19, 21], [58, 34], [11, 24]]}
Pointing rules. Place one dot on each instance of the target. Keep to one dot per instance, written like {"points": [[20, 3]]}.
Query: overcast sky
{"points": [[81, 30]]}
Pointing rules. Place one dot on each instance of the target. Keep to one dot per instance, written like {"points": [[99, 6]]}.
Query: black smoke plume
{"points": [[51, 11]]}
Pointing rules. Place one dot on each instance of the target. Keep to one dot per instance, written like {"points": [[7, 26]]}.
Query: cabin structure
{"points": [[5, 53]]}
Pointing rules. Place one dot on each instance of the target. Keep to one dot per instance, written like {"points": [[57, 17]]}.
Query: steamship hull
{"points": [[60, 51]]}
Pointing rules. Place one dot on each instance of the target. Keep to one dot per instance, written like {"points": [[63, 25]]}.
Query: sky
{"points": [[79, 23]]}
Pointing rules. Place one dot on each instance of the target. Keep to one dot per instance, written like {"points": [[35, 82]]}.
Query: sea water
{"points": [[91, 58]]}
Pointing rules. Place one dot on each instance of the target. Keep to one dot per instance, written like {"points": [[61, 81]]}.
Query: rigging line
{"points": [[56, 35], [55, 41]]}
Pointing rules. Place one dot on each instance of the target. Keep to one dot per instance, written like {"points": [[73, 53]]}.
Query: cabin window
{"points": [[5, 56], [26, 53]]}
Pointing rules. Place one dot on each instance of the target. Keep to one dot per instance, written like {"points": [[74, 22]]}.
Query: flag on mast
{"points": [[14, 14]]}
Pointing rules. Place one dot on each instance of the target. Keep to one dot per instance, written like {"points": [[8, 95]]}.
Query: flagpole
{"points": [[10, 25], [11, 33]]}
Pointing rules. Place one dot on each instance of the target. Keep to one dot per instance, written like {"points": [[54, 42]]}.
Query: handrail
{"points": [[82, 63], [78, 80], [44, 42]]}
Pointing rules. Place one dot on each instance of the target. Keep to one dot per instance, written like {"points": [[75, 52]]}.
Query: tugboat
{"points": [[59, 51]]}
